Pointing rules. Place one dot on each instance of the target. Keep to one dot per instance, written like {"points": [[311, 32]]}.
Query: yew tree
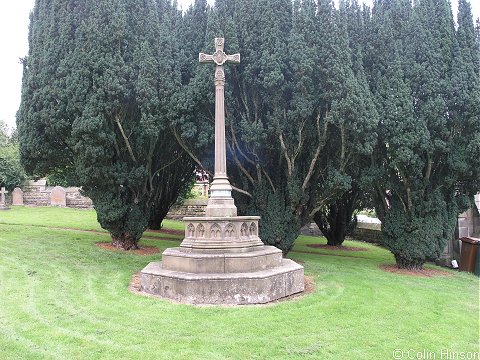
{"points": [[98, 97], [425, 78], [336, 218]]}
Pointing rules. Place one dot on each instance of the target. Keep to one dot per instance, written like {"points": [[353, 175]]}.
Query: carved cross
{"points": [[221, 187], [219, 58]]}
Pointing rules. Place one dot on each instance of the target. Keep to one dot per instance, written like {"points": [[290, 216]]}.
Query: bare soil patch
{"points": [[142, 251], [419, 273], [341, 247]]}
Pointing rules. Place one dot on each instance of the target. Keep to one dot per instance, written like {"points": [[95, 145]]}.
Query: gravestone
{"points": [[58, 197], [3, 203], [222, 260], [17, 197]]}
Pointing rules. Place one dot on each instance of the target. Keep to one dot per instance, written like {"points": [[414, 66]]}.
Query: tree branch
{"points": [[285, 153], [269, 180], [125, 138], [167, 165], [301, 140], [321, 144], [237, 146], [342, 147], [239, 165], [241, 191], [187, 150]]}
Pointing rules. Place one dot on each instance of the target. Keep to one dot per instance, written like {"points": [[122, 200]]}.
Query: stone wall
{"points": [[367, 232], [190, 207], [77, 200], [469, 223], [37, 193], [371, 233]]}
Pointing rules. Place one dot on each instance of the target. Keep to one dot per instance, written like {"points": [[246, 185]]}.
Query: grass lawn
{"points": [[62, 297]]}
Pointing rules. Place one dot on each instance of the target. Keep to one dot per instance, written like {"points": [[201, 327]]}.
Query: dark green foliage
{"points": [[297, 111], [420, 234], [357, 119], [427, 93], [11, 171], [99, 97], [3, 133], [62, 177]]}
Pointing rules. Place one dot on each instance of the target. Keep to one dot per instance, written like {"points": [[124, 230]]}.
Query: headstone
{"points": [[58, 196], [3, 204], [222, 260], [17, 197]]}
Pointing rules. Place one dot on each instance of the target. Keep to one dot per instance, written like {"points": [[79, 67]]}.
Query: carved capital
{"points": [[220, 74]]}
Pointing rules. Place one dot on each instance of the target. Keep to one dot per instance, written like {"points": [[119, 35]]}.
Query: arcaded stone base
{"points": [[256, 287]]}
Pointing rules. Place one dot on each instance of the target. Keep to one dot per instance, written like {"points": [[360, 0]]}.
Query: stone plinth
{"points": [[222, 261], [183, 260], [255, 287]]}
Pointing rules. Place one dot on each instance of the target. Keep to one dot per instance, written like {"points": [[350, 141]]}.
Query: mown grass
{"points": [[62, 297], [56, 217]]}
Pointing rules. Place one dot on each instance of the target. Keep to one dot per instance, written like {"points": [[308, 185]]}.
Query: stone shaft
{"points": [[220, 202], [220, 149]]}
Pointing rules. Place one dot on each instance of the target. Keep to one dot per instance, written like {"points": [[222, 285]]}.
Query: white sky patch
{"points": [[14, 20]]}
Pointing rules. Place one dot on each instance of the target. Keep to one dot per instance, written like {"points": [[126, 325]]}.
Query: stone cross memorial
{"points": [[3, 205], [220, 201], [222, 260]]}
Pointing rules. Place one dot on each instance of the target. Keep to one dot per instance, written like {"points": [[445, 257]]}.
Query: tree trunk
{"points": [[166, 198], [336, 221], [336, 236], [409, 264], [156, 217], [125, 242]]}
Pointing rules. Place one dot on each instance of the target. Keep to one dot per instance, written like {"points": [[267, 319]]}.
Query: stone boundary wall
{"points": [[38, 194], [469, 223], [366, 232], [370, 233], [190, 207]]}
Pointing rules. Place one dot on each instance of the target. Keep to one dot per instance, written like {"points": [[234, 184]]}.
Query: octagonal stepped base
{"points": [[222, 261], [255, 287], [183, 260]]}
